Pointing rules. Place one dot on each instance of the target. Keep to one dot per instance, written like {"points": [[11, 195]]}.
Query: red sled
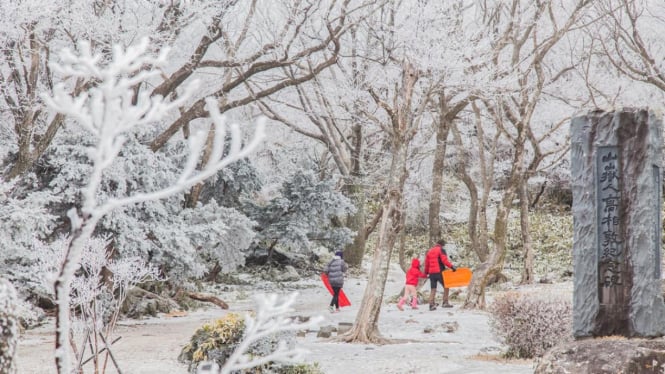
{"points": [[343, 300]]}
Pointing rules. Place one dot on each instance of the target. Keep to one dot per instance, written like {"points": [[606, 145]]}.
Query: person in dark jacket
{"points": [[411, 282], [335, 271], [436, 261]]}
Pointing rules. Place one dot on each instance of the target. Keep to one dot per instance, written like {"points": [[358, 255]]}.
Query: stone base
{"points": [[605, 356]]}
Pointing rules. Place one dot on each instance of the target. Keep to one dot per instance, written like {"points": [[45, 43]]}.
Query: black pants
{"points": [[435, 278], [335, 298]]}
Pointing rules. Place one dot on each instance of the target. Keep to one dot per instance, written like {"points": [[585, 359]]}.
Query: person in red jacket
{"points": [[410, 288], [436, 261]]}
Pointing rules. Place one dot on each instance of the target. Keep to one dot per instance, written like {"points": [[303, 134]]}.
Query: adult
{"points": [[335, 271], [436, 260]]}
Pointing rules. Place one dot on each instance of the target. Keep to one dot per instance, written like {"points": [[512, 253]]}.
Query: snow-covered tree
{"points": [[9, 327], [34, 31], [626, 54], [301, 214], [183, 242], [95, 299], [108, 109]]}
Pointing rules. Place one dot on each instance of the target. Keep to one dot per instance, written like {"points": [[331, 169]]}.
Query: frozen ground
{"points": [[151, 346]]}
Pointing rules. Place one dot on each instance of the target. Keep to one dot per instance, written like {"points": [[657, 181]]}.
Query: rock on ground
{"points": [[605, 356]]}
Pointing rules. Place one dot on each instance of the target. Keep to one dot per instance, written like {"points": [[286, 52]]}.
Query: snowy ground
{"points": [[151, 346]]}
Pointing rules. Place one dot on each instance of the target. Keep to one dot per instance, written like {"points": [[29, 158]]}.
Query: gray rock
{"points": [[450, 326], [343, 327], [326, 331], [604, 356], [289, 274]]}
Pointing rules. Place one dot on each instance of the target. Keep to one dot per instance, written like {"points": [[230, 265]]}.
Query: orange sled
{"points": [[343, 300], [459, 278]]}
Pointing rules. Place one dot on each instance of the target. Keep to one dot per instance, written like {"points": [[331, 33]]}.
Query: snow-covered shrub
{"points": [[184, 243], [233, 184], [530, 324], [22, 217], [214, 341], [8, 327], [95, 300], [111, 110], [264, 342], [301, 214]]}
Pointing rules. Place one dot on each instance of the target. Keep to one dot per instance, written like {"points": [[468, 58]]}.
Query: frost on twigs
{"points": [[8, 326], [530, 324], [112, 106], [265, 340]]}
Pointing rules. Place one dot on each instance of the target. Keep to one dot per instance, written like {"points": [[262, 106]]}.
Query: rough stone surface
{"points": [[635, 308], [343, 327], [326, 331], [604, 356]]}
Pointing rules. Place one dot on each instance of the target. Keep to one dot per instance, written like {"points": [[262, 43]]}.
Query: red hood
{"points": [[415, 263]]}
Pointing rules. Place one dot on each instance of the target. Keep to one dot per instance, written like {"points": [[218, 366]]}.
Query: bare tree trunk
{"points": [[404, 263], [442, 130], [490, 269], [477, 222], [446, 116], [353, 253], [365, 328], [527, 271]]}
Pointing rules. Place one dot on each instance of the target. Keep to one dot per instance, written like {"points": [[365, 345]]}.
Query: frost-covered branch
{"points": [[108, 110], [272, 317]]}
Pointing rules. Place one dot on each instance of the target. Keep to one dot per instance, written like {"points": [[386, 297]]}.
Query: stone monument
{"points": [[616, 184]]}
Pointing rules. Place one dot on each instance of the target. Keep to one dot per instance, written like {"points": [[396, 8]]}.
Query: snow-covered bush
{"points": [[264, 342], [183, 242], [214, 341], [301, 214], [22, 217], [8, 327], [529, 324], [110, 109], [98, 289]]}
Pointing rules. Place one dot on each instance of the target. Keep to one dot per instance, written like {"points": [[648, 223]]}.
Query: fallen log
{"points": [[208, 298]]}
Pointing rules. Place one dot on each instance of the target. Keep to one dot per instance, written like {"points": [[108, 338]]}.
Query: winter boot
{"points": [[432, 295], [446, 293], [401, 303], [414, 303]]}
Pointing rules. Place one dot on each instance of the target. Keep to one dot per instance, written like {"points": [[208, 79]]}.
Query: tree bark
{"points": [[365, 329], [208, 298], [442, 130], [491, 268], [355, 251], [527, 271], [447, 114], [477, 221]]}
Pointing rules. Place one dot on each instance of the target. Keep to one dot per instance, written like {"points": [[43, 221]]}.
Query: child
{"points": [[411, 281], [335, 271]]}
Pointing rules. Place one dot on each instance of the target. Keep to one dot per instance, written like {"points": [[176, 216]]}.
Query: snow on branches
{"points": [[270, 320], [113, 105]]}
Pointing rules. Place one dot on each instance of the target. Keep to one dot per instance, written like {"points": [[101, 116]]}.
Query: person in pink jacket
{"points": [[410, 288]]}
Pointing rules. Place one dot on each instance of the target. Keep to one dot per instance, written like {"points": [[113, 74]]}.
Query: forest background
{"points": [[390, 124]]}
